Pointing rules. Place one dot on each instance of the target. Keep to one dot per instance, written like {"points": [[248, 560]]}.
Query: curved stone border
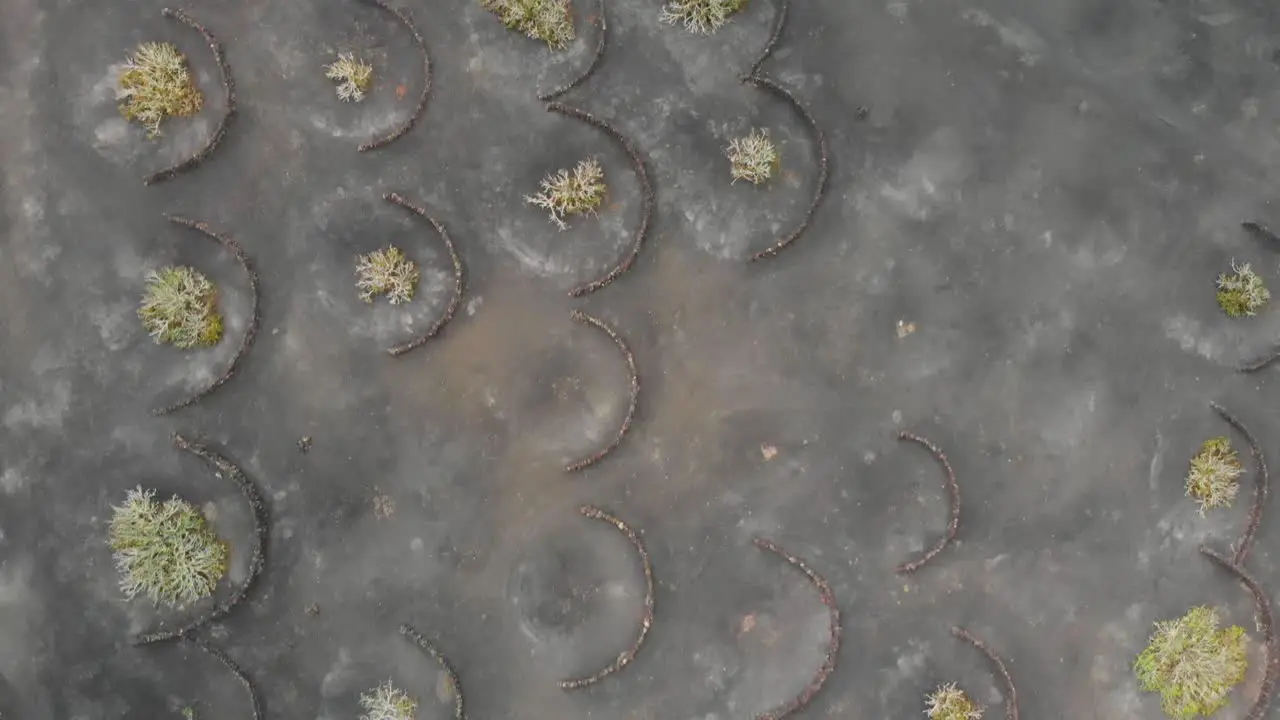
{"points": [[423, 644], [833, 636], [229, 90], [595, 62], [223, 468], [646, 190], [764, 83], [646, 618], [458, 278], [1260, 363], [1261, 489], [250, 332], [1011, 692], [953, 489], [231, 665], [1268, 690], [599, 455], [779, 22], [1261, 231], [405, 19]]}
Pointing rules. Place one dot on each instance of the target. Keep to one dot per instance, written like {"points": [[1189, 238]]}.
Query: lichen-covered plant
{"points": [[157, 84], [1192, 663], [165, 550], [949, 702], [352, 75], [387, 702], [700, 16], [567, 193], [550, 21], [752, 157], [387, 272], [180, 307], [1214, 478], [1242, 293]]}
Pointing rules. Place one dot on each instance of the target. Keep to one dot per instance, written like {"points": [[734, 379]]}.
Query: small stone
{"points": [[313, 609], [304, 444], [769, 452], [905, 328]]}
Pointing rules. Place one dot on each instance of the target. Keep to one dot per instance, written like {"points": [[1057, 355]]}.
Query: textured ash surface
{"points": [[1045, 189]]}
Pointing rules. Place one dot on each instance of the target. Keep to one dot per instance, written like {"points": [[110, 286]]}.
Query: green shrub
{"points": [[700, 16], [1214, 478], [387, 702], [387, 272], [752, 157], [949, 702], [180, 308], [165, 550], [1242, 293], [550, 21], [1192, 664], [353, 76], [157, 84], [565, 193]]}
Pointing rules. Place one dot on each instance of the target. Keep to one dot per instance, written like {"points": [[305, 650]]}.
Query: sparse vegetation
{"points": [[180, 308], [1242, 293], [567, 193], [165, 550], [550, 21], [157, 84], [384, 506], [387, 702], [353, 76], [949, 702], [387, 272], [752, 157], [700, 16], [1192, 664], [1214, 478]]}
